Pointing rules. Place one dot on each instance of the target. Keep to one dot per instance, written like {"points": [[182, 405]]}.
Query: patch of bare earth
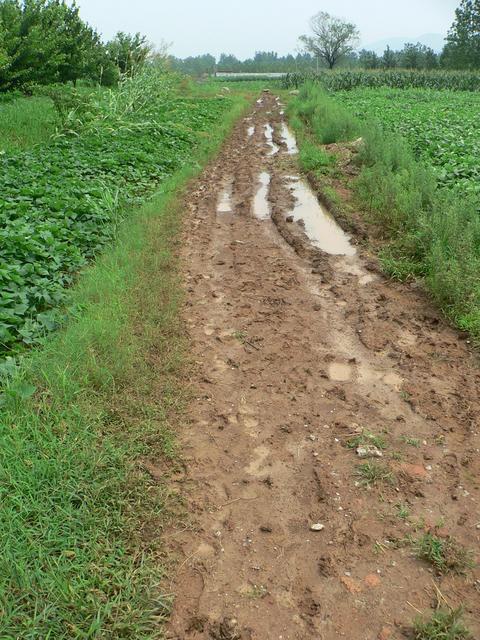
{"points": [[297, 352]]}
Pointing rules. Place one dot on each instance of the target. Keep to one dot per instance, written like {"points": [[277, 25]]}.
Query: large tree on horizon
{"points": [[332, 40]]}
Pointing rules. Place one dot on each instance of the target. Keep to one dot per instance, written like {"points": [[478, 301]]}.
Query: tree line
{"points": [[332, 42], [47, 42]]}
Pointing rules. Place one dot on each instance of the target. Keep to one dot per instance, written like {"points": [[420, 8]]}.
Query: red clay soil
{"points": [[298, 352]]}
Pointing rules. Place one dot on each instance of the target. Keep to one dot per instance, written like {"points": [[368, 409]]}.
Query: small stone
{"points": [[413, 471], [369, 451], [312, 437], [350, 584], [266, 528], [317, 527], [372, 580]]}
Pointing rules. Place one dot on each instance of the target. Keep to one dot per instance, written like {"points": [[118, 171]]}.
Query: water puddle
{"points": [[353, 268], [289, 139], [261, 209], [269, 136], [319, 226], [224, 204], [251, 131]]}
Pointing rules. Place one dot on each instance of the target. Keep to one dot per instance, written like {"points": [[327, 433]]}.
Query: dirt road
{"points": [[301, 357]]}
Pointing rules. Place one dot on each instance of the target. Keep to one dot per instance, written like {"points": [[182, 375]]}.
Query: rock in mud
{"points": [[369, 451], [317, 527]]}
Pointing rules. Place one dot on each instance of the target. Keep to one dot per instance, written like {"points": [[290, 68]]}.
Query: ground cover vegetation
{"points": [[83, 415], [427, 209], [62, 202]]}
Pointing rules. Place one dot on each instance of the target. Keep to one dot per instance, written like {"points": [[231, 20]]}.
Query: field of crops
{"points": [[442, 127], [395, 79], [62, 200]]}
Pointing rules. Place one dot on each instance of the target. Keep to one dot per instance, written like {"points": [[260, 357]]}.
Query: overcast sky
{"points": [[215, 26]]}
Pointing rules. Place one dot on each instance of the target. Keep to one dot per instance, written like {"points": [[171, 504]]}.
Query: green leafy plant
{"points": [[443, 625], [373, 473], [445, 554]]}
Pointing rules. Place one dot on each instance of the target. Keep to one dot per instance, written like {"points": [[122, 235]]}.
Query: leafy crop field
{"points": [[62, 201], [441, 127]]}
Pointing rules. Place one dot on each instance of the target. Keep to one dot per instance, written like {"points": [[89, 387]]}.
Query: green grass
{"points": [[443, 625], [25, 122], [430, 227], [367, 438], [445, 554], [412, 442], [374, 473], [81, 519]]}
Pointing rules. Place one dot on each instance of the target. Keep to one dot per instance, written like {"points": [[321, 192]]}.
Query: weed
{"points": [[443, 625], [413, 442], [445, 554], [367, 438], [403, 511], [373, 473]]}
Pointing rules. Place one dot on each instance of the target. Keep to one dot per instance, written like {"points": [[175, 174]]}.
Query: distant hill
{"points": [[434, 40]]}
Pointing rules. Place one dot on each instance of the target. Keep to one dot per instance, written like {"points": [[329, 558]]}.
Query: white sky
{"points": [[215, 26]]}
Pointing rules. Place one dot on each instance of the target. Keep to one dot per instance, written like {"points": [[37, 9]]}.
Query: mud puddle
{"points": [[261, 208], [289, 139], [224, 204], [269, 137], [320, 227]]}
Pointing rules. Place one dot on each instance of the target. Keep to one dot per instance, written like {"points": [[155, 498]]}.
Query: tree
{"points": [[368, 59], [333, 38], [129, 52], [462, 50], [389, 59]]}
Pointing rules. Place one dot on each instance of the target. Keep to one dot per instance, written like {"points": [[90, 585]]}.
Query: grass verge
{"points": [[86, 439], [429, 233], [25, 122]]}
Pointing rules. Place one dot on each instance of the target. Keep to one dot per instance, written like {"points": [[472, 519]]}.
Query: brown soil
{"points": [[297, 351]]}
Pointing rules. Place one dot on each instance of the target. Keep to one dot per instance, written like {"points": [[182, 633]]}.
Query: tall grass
{"points": [[25, 122], [430, 234]]}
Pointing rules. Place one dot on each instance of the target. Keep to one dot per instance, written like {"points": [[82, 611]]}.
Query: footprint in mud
{"points": [[251, 425], [254, 468], [393, 380], [339, 372]]}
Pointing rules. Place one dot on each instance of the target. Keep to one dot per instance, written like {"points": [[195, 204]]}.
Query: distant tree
{"points": [[430, 59], [462, 50], [332, 40], [417, 56], [368, 59], [129, 52], [229, 63], [389, 59]]}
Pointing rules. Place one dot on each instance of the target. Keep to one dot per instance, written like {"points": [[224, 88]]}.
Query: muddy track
{"points": [[296, 352]]}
